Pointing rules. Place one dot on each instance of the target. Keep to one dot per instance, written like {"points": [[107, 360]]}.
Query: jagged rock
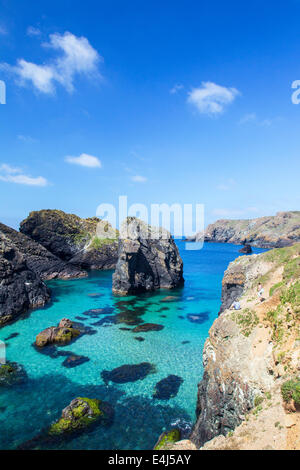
{"points": [[20, 288], [265, 232], [39, 259], [148, 259], [246, 250], [64, 333], [233, 284], [86, 243]]}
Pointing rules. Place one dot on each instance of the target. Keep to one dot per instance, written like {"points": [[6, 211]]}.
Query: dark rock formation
{"points": [[148, 259], [265, 232], [74, 360], [246, 250], [232, 285], [199, 318], [167, 388], [64, 333], [128, 373], [86, 243], [20, 288], [40, 260], [11, 373]]}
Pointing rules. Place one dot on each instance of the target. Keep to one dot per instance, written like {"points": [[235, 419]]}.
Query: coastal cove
{"points": [[185, 315]]}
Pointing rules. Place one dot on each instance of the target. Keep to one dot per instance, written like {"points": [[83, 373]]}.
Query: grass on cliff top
{"points": [[246, 319]]}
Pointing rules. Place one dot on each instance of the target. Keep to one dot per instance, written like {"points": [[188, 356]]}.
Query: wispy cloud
{"points": [[32, 31], [84, 159], [75, 56], [176, 88], [27, 139], [15, 175], [253, 118], [3, 30], [227, 185], [211, 98], [139, 179]]}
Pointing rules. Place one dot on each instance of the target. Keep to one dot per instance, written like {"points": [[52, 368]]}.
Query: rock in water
{"points": [[11, 373], [62, 334], [148, 259], [247, 250], [79, 415], [86, 243], [20, 288], [167, 388]]}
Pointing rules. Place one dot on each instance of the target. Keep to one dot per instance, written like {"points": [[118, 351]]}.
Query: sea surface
{"points": [[28, 408]]}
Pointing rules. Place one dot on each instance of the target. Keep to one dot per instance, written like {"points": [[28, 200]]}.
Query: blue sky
{"points": [[165, 102]]}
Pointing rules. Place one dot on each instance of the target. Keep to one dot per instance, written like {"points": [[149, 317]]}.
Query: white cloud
{"points": [[176, 88], [211, 98], [139, 179], [75, 57], [32, 31], [15, 175], [252, 118], [85, 160]]}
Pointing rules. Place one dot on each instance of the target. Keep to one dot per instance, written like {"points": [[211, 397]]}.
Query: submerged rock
{"points": [[86, 243], [60, 334], [167, 388], [81, 414], [20, 288], [148, 259], [198, 317], [74, 361], [147, 327], [128, 373], [168, 439], [11, 373]]}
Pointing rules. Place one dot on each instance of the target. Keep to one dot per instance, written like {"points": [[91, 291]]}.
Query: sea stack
{"points": [[148, 259]]}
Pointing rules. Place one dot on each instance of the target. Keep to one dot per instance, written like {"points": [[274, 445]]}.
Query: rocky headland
{"points": [[148, 259], [85, 243], [277, 231], [249, 397]]}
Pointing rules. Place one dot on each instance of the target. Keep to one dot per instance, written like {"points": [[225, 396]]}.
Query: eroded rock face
{"points": [[39, 259], [85, 243], [265, 232], [148, 259], [232, 285], [20, 288]]}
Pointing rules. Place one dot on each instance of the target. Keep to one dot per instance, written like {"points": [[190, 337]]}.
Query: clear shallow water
{"points": [[139, 419]]}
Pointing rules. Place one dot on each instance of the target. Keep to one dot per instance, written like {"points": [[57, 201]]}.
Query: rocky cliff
{"points": [[265, 232], [148, 259], [85, 243], [38, 258], [20, 288], [250, 392]]}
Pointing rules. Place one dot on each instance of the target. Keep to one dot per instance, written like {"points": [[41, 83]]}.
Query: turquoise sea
{"points": [[28, 408]]}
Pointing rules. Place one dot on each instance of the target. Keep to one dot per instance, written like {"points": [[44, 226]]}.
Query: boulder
{"points": [[80, 414], [247, 250], [20, 288], [85, 243], [11, 373], [57, 335], [167, 388], [148, 259]]}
